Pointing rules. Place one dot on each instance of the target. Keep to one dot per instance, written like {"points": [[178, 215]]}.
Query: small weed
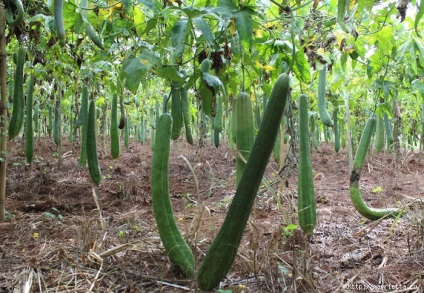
{"points": [[122, 234], [288, 230], [54, 214]]}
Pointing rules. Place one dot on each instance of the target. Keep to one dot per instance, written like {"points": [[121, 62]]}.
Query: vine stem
{"points": [[3, 112]]}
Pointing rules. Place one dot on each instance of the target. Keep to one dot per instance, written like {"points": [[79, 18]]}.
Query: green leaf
{"points": [[341, 8], [193, 12], [70, 18], [226, 7], [171, 73], [179, 33], [213, 81], [419, 15], [301, 67], [134, 68], [343, 60], [152, 5], [206, 95], [151, 24], [244, 26], [419, 85], [127, 4], [364, 4], [420, 48], [139, 19], [204, 28]]}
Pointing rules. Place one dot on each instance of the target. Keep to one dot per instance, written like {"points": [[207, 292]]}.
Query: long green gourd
{"points": [[176, 111], [223, 250], [178, 251], [29, 129], [57, 135], [341, 8], [50, 121], [36, 113], [58, 19], [206, 93], [84, 116], [245, 132], [114, 130], [336, 130], [305, 180], [127, 133], [92, 157], [217, 121], [389, 131], [358, 163], [216, 138], [186, 113], [91, 33], [17, 119], [322, 103], [10, 19], [379, 134]]}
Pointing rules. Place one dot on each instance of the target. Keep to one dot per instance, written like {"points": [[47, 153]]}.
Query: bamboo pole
{"points": [[3, 112]]}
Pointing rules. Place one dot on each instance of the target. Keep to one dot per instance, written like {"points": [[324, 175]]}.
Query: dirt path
{"points": [[66, 236]]}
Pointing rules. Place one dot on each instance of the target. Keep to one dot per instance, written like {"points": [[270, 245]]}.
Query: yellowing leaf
{"points": [[377, 189], [321, 51], [35, 235], [233, 26], [144, 61], [138, 16], [340, 36], [265, 67], [355, 81], [252, 96], [259, 33]]}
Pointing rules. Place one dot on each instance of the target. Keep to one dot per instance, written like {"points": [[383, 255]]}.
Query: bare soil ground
{"points": [[66, 235]]}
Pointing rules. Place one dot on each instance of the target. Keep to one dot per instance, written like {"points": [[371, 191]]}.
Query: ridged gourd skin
{"points": [[36, 111], [205, 66], [57, 135], [114, 130], [83, 117], [389, 131], [92, 157], [218, 119], [179, 252], [9, 14], [91, 33], [223, 249], [306, 207], [176, 112], [245, 132], [358, 163], [17, 119], [207, 93], [29, 129], [50, 119], [216, 138], [379, 133], [322, 103], [336, 130], [186, 114], [59, 22], [127, 133], [94, 37]]}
